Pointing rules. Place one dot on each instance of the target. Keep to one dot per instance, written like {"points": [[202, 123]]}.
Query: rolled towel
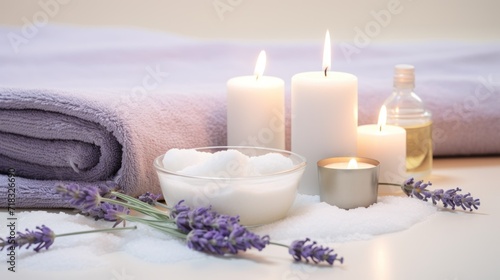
{"points": [[54, 136], [45, 145]]}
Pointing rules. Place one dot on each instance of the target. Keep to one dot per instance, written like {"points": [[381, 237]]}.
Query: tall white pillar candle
{"points": [[256, 110], [386, 144], [324, 117]]}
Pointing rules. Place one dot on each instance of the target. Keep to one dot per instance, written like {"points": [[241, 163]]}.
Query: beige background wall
{"points": [[275, 19]]}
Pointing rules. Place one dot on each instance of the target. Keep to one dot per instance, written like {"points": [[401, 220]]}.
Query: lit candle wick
{"points": [[327, 53], [353, 164], [260, 65], [382, 118]]}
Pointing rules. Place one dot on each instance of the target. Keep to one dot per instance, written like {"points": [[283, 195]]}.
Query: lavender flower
{"points": [[210, 232], [149, 198], [88, 201], [241, 239], [468, 201], [114, 213], [43, 236], [418, 189], [202, 218], [81, 198], [215, 242], [107, 188], [225, 223], [207, 241], [179, 208], [198, 218], [312, 251], [450, 197]]}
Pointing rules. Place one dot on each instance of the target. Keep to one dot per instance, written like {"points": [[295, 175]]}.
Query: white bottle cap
{"points": [[404, 76]]}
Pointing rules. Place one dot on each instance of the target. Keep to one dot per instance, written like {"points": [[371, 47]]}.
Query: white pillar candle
{"points": [[256, 109], [324, 117], [387, 144]]}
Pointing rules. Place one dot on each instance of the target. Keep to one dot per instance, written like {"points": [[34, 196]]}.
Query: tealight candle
{"points": [[352, 164], [387, 144], [348, 182], [324, 108], [256, 109]]}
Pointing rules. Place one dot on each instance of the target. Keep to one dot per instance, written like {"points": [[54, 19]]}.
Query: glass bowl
{"points": [[258, 199]]}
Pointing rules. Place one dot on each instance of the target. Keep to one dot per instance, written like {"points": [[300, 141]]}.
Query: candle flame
{"points": [[382, 117], [327, 53], [260, 65], [353, 164]]}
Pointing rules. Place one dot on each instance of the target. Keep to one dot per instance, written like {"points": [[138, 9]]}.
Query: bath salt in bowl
{"points": [[258, 184]]}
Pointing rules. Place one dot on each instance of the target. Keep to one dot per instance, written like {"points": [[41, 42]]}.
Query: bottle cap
{"points": [[404, 75]]}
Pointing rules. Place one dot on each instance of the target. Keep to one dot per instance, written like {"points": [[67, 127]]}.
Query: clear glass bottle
{"points": [[406, 109]]}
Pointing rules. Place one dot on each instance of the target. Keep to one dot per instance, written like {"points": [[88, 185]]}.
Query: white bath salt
{"points": [[178, 159], [325, 223], [307, 218], [228, 163], [270, 163], [75, 258], [161, 250]]}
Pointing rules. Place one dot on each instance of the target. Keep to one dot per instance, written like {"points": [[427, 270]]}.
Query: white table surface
{"points": [[447, 246]]}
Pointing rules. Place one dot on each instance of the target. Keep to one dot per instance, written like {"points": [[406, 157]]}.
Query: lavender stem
{"points": [[95, 231]]}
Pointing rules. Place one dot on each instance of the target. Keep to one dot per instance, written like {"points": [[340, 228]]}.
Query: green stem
{"points": [[137, 202], [150, 211], [278, 244], [155, 224], [147, 221], [390, 184], [406, 189], [163, 205], [95, 231]]}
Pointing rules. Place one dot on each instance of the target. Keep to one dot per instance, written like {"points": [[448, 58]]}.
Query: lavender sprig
{"points": [[451, 197], [43, 237], [317, 253]]}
